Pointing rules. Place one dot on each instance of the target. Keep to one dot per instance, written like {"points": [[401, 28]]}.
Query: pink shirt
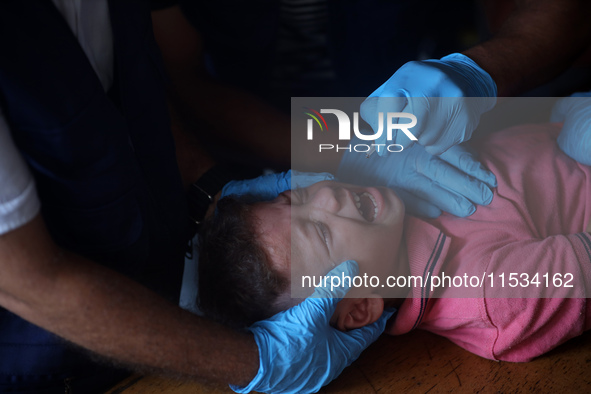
{"points": [[535, 224]]}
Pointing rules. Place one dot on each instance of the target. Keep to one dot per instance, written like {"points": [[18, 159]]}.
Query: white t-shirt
{"points": [[90, 23]]}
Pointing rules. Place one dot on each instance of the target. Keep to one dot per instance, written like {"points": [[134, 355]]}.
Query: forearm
{"points": [[219, 111], [238, 118], [192, 158], [114, 316], [537, 42]]}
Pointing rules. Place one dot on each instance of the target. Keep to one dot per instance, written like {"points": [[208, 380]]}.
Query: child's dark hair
{"points": [[237, 287]]}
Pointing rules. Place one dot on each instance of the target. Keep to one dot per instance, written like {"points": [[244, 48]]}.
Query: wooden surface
{"points": [[421, 362]]}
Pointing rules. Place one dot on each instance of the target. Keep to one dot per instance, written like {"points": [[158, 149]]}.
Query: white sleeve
{"points": [[18, 197]]}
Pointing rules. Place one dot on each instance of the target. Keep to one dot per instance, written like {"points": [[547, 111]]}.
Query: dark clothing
{"points": [[104, 166], [367, 41]]}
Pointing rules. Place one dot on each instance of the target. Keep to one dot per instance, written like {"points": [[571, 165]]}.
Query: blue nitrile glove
{"points": [[420, 86], [267, 187], [575, 137], [426, 183], [299, 352]]}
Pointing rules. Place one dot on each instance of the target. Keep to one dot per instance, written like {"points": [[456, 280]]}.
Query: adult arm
{"points": [[98, 308], [109, 314], [539, 40], [230, 114]]}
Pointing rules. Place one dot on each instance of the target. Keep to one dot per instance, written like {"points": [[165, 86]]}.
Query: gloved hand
{"points": [[299, 352], [435, 92], [267, 187], [452, 182], [575, 137]]}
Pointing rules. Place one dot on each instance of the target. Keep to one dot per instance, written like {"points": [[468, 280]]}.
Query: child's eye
{"points": [[323, 231]]}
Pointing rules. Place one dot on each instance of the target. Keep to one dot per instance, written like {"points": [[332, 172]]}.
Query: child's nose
{"points": [[327, 199], [336, 200]]}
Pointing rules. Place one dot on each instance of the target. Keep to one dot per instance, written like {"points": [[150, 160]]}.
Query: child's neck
{"points": [[395, 296]]}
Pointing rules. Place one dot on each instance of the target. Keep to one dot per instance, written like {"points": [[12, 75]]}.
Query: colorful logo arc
{"points": [[315, 116]]}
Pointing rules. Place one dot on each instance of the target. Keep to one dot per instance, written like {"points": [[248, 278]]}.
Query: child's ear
{"points": [[354, 313]]}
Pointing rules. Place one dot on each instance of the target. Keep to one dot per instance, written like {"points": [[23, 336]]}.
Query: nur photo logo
{"points": [[344, 129]]}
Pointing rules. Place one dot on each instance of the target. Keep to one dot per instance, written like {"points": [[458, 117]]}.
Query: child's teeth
{"points": [[372, 199], [357, 201]]}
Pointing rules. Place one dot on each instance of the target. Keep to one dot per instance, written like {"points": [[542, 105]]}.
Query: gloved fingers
{"points": [[452, 123], [335, 287], [323, 302], [304, 179], [439, 149], [439, 120], [420, 107], [353, 342], [457, 182], [417, 205], [237, 188], [575, 137], [264, 187], [267, 187], [360, 338], [560, 109], [566, 104], [464, 159], [443, 198], [298, 350], [438, 139], [478, 81], [576, 145], [402, 103], [370, 112]]}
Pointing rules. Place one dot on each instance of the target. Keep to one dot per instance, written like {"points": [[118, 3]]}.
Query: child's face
{"points": [[319, 227]]}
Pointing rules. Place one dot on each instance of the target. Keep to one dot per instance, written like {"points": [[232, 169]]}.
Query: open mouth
{"points": [[367, 206]]}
